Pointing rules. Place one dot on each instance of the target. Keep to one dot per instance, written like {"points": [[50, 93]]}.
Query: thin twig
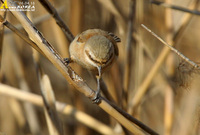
{"points": [[172, 48], [58, 19], [175, 7]]}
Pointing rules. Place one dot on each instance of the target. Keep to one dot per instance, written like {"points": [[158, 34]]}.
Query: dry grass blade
{"points": [[58, 19], [175, 7], [193, 64], [54, 124], [67, 72], [61, 107]]}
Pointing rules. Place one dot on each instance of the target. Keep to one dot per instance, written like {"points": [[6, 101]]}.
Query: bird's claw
{"points": [[96, 99], [67, 61]]}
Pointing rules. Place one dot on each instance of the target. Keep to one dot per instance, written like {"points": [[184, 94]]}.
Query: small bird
{"points": [[94, 50]]}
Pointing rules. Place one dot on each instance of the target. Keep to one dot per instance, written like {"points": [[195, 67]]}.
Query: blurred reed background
{"points": [[148, 81]]}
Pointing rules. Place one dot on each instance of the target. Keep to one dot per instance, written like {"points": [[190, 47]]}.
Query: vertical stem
{"points": [[169, 101], [128, 51], [3, 14]]}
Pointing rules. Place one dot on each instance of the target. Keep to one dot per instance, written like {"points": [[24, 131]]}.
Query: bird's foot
{"points": [[97, 98], [67, 61]]}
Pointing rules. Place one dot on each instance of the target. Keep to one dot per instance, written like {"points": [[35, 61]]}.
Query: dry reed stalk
{"points": [[140, 60], [128, 52], [17, 110], [193, 64], [169, 96], [58, 19], [8, 117], [186, 19], [167, 5], [143, 87], [136, 100], [76, 17], [54, 124], [114, 86], [61, 42], [140, 48], [105, 91], [169, 103], [108, 4], [61, 107], [3, 14], [30, 111], [143, 45], [20, 34], [168, 111]]}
